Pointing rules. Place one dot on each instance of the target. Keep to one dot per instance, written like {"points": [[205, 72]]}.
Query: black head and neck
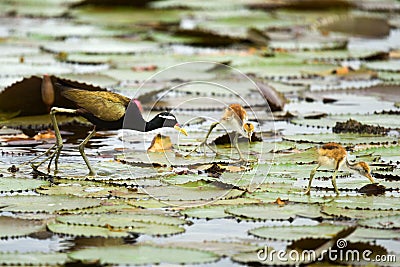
{"points": [[164, 119]]}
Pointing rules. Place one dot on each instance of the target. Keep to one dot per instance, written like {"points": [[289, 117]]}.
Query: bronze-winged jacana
{"points": [[234, 119], [106, 111], [334, 155]]}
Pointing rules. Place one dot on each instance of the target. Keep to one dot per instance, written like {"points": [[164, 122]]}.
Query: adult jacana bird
{"points": [[233, 119], [334, 155], [106, 111]]}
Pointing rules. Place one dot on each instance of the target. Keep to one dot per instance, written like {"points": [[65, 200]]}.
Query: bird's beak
{"points": [[178, 128], [370, 178]]}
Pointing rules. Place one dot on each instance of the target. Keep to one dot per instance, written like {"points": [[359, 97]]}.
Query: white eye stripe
{"points": [[167, 117]]}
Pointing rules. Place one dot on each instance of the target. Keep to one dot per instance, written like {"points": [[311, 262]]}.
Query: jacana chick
{"points": [[334, 155], [106, 111], [233, 119]]}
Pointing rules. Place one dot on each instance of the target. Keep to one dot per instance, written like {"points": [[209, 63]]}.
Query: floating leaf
{"points": [[362, 234], [11, 184], [143, 255], [48, 204], [120, 220], [33, 259], [383, 120], [366, 203], [13, 227], [355, 213], [222, 248], [301, 198], [207, 212], [390, 222], [294, 232], [86, 231], [345, 139], [274, 212], [76, 189], [203, 194]]}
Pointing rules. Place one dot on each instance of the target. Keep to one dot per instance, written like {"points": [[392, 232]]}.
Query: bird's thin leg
{"points": [[312, 173], [334, 181], [82, 151], [204, 142], [41, 154], [236, 145], [59, 143]]}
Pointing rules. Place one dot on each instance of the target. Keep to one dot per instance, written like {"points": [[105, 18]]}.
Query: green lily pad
{"points": [[47, 204], [85, 231], [121, 17], [366, 203], [390, 222], [362, 234], [222, 248], [99, 46], [11, 184], [207, 212], [120, 220], [14, 227], [274, 211], [383, 120], [33, 259], [300, 198], [356, 214], [143, 255], [291, 233], [204, 194], [79, 190], [385, 153], [307, 156], [345, 139], [387, 65], [257, 258]]}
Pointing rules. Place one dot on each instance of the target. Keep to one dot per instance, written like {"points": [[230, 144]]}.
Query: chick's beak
{"points": [[370, 178], [178, 128]]}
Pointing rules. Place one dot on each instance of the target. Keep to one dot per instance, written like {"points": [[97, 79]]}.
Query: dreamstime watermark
{"points": [[340, 253]]}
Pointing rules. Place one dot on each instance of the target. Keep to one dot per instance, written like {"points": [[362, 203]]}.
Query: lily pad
{"points": [[355, 213], [143, 255], [47, 204], [14, 227], [291, 233], [274, 211], [383, 120], [10, 184], [85, 231], [390, 222], [33, 259], [203, 194], [76, 189], [367, 203], [345, 139], [362, 234], [300, 198], [207, 212], [120, 220]]}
